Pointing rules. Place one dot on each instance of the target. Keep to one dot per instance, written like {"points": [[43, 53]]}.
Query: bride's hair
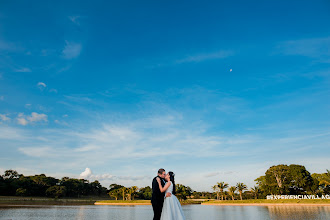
{"points": [[172, 180]]}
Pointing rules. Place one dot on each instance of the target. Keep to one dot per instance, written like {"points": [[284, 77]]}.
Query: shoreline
{"points": [[122, 204], [266, 204]]}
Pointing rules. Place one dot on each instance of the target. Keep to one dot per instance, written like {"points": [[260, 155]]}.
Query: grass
{"points": [[288, 201], [185, 202], [16, 200], [124, 201], [190, 202]]}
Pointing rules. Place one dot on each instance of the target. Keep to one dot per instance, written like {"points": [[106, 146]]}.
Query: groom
{"points": [[157, 198]]}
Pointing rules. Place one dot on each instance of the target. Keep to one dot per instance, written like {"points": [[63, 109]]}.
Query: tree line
{"points": [[129, 193], [278, 180], [14, 184]]}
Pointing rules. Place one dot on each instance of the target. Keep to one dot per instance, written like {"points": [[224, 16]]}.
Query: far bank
{"points": [[266, 202]]}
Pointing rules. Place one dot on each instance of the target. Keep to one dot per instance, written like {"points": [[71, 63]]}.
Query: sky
{"points": [[211, 90]]}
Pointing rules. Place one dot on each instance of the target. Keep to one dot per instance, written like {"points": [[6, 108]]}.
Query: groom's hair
{"points": [[161, 171]]}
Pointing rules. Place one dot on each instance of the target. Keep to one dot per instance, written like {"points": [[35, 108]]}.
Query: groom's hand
{"points": [[168, 194]]}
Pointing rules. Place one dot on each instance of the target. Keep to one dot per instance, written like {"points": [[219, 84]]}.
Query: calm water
{"points": [[192, 212]]}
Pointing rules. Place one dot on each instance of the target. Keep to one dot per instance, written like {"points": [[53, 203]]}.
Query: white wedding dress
{"points": [[172, 208]]}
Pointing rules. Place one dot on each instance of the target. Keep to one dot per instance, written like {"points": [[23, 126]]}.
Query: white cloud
{"points": [[218, 173], [61, 122], [41, 85], [71, 50], [4, 117], [22, 121], [36, 151], [23, 70], [139, 146], [35, 117], [314, 47], [86, 174], [170, 139], [87, 148], [211, 174], [206, 56], [103, 176], [9, 133], [28, 106], [77, 98]]}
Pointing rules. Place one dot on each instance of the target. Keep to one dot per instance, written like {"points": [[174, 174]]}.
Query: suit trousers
{"points": [[157, 207]]}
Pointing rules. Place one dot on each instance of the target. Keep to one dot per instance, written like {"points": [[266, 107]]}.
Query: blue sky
{"points": [[214, 91]]}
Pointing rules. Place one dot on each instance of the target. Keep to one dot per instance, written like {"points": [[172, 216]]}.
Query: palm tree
{"points": [[225, 195], [216, 189], [231, 191], [255, 191], [240, 188], [222, 186]]}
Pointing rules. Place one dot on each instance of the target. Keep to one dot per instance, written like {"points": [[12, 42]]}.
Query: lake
{"points": [[192, 212]]}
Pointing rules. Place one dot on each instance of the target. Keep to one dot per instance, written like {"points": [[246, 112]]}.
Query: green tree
{"points": [[11, 174], [131, 191], [115, 193], [41, 184], [196, 195], [280, 174], [21, 192], [115, 186], [182, 191], [73, 186], [56, 191], [10, 182], [300, 179], [96, 188], [255, 191], [321, 182], [231, 192], [217, 190], [282, 179], [240, 187], [225, 194], [325, 179], [222, 186], [145, 193], [123, 191]]}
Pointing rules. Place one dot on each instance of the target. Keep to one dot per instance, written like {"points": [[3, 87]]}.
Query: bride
{"points": [[172, 208]]}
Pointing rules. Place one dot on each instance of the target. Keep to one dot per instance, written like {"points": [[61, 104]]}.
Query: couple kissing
{"points": [[165, 204]]}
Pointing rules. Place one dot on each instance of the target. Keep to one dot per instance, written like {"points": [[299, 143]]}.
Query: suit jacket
{"points": [[157, 196]]}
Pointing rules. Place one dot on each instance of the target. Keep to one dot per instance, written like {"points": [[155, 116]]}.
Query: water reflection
{"points": [[299, 212], [192, 212]]}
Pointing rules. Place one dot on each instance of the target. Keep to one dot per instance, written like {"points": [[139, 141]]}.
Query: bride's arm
{"points": [[163, 189]]}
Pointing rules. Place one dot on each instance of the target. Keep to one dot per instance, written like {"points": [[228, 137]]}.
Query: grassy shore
{"points": [[139, 202], [123, 202], [269, 202], [15, 200]]}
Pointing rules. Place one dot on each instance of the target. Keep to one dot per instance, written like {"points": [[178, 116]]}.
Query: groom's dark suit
{"points": [[157, 199]]}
